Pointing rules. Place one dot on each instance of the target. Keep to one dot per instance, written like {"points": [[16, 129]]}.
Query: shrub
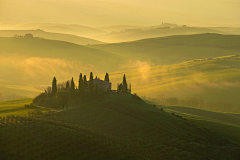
{"points": [[30, 106]]}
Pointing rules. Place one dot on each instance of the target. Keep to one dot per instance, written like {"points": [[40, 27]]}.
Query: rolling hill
{"points": [[27, 66], [137, 33], [209, 115], [120, 127], [215, 81], [73, 29], [49, 35], [176, 49]]}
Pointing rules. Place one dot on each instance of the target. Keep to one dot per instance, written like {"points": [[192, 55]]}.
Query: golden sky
{"points": [[118, 12]]}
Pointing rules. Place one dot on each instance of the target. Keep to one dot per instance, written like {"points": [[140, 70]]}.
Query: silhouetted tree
{"points": [[80, 84], [72, 89], [91, 83], [106, 77], [67, 85], [54, 86], [124, 83]]}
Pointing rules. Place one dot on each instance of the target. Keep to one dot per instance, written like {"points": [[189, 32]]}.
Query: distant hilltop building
{"points": [[106, 86], [29, 35]]}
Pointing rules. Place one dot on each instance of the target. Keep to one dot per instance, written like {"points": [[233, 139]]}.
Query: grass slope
{"points": [[223, 123], [121, 127], [176, 49], [49, 35], [57, 49], [212, 80], [15, 107], [216, 116]]}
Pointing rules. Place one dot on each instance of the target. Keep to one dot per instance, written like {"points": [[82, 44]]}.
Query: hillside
{"points": [[120, 127], [215, 83], [52, 36], [176, 49], [224, 123], [43, 48], [137, 33], [73, 29], [209, 115], [27, 66]]}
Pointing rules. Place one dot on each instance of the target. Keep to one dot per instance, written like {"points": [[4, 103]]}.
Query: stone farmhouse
{"points": [[106, 86]]}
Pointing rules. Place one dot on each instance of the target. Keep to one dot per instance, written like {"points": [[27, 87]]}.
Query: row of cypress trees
{"points": [[79, 94]]}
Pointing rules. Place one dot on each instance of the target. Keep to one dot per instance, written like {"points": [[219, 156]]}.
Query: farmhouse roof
{"points": [[99, 81]]}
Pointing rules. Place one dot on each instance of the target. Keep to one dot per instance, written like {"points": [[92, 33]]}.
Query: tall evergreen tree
{"points": [[54, 86], [124, 84], [91, 83], [84, 82], [106, 77], [80, 84], [67, 85], [72, 89]]}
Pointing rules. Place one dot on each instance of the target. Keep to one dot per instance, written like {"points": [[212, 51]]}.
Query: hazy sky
{"points": [[117, 12]]}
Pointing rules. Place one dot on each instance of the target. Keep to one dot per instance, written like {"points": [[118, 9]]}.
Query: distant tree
{"points": [[72, 89], [120, 88], [124, 83], [80, 84], [84, 82], [84, 88], [54, 86], [67, 85], [91, 83], [106, 77]]}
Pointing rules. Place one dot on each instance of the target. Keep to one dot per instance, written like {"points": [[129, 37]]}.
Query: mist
{"points": [[201, 13]]}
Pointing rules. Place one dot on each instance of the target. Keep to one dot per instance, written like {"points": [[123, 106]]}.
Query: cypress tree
{"points": [[67, 85], [106, 77], [80, 84], [84, 82], [91, 82], [72, 89], [54, 86], [124, 84]]}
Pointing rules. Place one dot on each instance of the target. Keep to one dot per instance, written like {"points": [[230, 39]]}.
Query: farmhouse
{"points": [[106, 86], [29, 35]]}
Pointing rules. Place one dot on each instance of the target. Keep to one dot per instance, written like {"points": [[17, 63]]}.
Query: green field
{"points": [[15, 107], [224, 123], [120, 127], [209, 115]]}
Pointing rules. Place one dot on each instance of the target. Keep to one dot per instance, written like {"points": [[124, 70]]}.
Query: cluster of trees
{"points": [[69, 94], [123, 87]]}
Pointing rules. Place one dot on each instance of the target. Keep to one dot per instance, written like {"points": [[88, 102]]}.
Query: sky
{"points": [[122, 12]]}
